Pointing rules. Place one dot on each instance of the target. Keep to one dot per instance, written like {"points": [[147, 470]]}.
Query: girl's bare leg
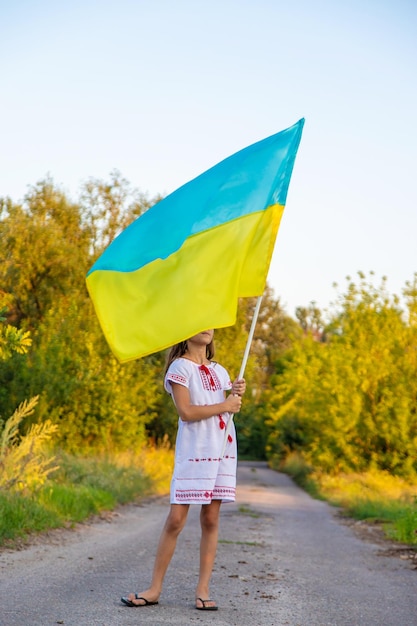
{"points": [[173, 526], [209, 519]]}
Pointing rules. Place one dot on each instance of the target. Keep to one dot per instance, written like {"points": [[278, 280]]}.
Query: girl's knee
{"points": [[176, 520], [210, 517]]}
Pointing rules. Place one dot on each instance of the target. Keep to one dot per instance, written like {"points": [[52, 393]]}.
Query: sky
{"points": [[162, 90]]}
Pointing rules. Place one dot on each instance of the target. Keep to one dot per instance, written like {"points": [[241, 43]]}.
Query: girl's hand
{"points": [[239, 387], [233, 403]]}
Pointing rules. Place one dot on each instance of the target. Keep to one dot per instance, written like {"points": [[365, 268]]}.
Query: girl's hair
{"points": [[181, 348]]}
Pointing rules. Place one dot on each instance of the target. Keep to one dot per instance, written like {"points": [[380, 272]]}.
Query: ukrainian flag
{"points": [[181, 266]]}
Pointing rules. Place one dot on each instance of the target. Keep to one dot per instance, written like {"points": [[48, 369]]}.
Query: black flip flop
{"points": [[204, 607], [128, 602]]}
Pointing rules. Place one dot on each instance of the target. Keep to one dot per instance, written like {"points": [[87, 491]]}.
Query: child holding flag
{"points": [[197, 385]]}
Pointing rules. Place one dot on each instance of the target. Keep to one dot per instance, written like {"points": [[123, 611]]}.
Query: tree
{"points": [[273, 335], [44, 253], [50, 244], [311, 321], [108, 207], [12, 339], [352, 400]]}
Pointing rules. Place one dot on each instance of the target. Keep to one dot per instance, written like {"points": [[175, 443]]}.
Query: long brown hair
{"points": [[181, 348]]}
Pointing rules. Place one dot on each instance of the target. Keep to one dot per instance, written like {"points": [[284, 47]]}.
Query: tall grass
{"points": [[378, 497], [25, 462], [80, 487], [20, 516]]}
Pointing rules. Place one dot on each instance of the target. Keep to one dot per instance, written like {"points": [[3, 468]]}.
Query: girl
{"points": [[197, 386]]}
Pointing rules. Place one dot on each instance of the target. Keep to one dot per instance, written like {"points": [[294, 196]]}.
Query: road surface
{"points": [[283, 559]]}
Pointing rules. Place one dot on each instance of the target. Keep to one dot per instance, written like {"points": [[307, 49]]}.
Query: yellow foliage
{"points": [[25, 464], [155, 462], [13, 340], [11, 428], [158, 463], [372, 485]]}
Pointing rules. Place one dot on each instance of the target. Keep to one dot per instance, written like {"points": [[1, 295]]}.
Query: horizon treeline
{"points": [[339, 388]]}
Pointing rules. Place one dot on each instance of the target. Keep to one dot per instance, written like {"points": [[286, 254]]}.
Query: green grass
{"points": [[123, 483], [82, 487], [398, 517], [246, 510], [74, 503], [405, 526], [20, 516]]}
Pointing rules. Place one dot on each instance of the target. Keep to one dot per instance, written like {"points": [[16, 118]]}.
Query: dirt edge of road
{"points": [[374, 532]]}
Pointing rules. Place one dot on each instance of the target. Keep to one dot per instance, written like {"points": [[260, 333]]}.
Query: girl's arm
{"points": [[193, 412]]}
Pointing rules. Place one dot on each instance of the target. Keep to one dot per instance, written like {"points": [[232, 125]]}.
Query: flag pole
{"points": [[243, 366]]}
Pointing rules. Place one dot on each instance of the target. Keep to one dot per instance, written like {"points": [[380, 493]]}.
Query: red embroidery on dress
{"points": [[177, 378], [211, 459], [209, 378], [197, 494], [223, 426]]}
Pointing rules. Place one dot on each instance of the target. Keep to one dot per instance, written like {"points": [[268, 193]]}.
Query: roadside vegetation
{"points": [[376, 497], [78, 487], [332, 395]]}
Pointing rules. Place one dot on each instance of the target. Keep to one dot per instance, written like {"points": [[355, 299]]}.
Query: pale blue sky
{"points": [[162, 90]]}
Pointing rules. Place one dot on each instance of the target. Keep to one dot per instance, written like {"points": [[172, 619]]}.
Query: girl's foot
{"points": [[205, 605], [140, 599]]}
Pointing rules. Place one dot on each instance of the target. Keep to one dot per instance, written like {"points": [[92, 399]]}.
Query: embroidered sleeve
{"points": [[177, 373]]}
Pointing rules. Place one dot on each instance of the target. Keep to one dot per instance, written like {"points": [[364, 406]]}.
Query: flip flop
{"points": [[146, 602], [204, 607]]}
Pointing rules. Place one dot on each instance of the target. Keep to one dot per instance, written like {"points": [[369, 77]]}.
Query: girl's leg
{"points": [[209, 519], [173, 526]]}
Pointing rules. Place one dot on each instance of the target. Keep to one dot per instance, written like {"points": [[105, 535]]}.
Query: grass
{"points": [[246, 510], [74, 503], [376, 497], [20, 516], [81, 487], [373, 496]]}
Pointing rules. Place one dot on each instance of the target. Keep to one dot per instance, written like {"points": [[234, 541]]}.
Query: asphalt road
{"points": [[283, 559]]}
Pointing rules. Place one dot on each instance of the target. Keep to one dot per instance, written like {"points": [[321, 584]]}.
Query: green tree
{"points": [[350, 403], [49, 244], [273, 335], [44, 253], [108, 207], [97, 403]]}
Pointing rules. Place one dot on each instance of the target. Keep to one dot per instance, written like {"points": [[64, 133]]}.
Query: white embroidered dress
{"points": [[200, 474]]}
